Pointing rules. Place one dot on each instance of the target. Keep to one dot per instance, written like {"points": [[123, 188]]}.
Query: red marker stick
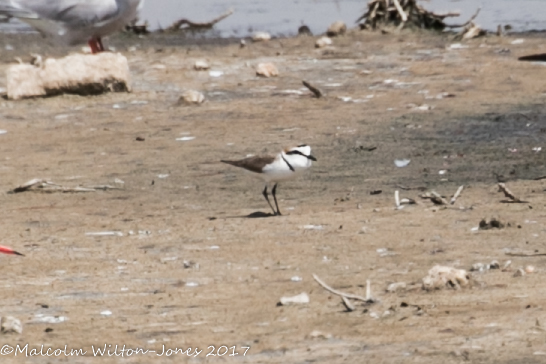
{"points": [[7, 250]]}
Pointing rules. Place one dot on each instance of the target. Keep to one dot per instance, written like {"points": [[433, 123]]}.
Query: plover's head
{"points": [[300, 152]]}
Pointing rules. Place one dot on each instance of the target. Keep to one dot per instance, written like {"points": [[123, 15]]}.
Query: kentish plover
{"points": [[288, 164]]}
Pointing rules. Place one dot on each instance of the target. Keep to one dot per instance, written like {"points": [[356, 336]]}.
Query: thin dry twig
{"points": [[456, 195], [318, 94], [348, 305], [439, 198], [195, 25], [339, 293], [523, 253], [468, 22], [509, 194]]}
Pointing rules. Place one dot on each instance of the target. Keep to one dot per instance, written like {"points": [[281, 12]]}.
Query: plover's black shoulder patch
{"points": [[303, 145]]}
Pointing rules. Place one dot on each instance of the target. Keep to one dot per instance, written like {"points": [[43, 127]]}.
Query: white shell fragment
{"points": [[336, 28], [395, 287], [445, 277], [191, 97], [529, 269], [185, 139], [299, 299], [267, 70], [402, 162], [201, 65], [323, 42], [261, 36], [11, 325]]}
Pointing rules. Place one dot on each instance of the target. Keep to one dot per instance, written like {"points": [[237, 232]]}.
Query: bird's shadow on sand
{"points": [[254, 215]]}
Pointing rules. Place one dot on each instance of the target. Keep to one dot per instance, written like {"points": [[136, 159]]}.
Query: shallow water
{"points": [[283, 17]]}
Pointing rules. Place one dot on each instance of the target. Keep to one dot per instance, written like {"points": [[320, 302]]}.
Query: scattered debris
{"points": [[188, 24], [10, 325], [523, 253], [105, 233], [480, 267], [445, 277], [191, 97], [267, 70], [529, 269], [397, 199], [395, 287], [42, 185], [366, 299], [375, 192], [519, 273], [315, 334], [261, 37], [298, 299], [316, 92], [494, 223], [404, 12], [336, 28], [323, 42], [216, 73], [509, 194], [456, 195], [435, 197], [385, 252], [402, 162], [201, 65], [74, 74], [348, 305]]}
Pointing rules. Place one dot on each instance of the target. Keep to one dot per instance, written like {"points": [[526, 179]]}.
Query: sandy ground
{"points": [[191, 270]]}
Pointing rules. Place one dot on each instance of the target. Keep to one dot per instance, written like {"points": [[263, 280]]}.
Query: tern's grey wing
{"points": [[73, 13]]}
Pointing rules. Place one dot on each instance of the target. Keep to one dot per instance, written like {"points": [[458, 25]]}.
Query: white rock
{"points": [[336, 28], [201, 65], [299, 299], [11, 325], [191, 97], [394, 287], [267, 70], [441, 277], [529, 269], [76, 74], [323, 42], [261, 36]]}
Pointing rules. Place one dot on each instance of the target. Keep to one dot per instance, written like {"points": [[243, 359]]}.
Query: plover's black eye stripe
{"points": [[296, 152]]}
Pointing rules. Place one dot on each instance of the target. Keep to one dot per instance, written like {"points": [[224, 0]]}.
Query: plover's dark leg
{"points": [[273, 192], [267, 198]]}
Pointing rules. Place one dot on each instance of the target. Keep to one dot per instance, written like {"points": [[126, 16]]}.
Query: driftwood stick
{"points": [[336, 292], [456, 195], [348, 305], [403, 15], [397, 198], [194, 25], [468, 22], [507, 192], [523, 253], [439, 197], [318, 94]]}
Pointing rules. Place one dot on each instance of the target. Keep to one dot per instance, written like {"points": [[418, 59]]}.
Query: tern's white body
{"points": [[71, 22]]}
